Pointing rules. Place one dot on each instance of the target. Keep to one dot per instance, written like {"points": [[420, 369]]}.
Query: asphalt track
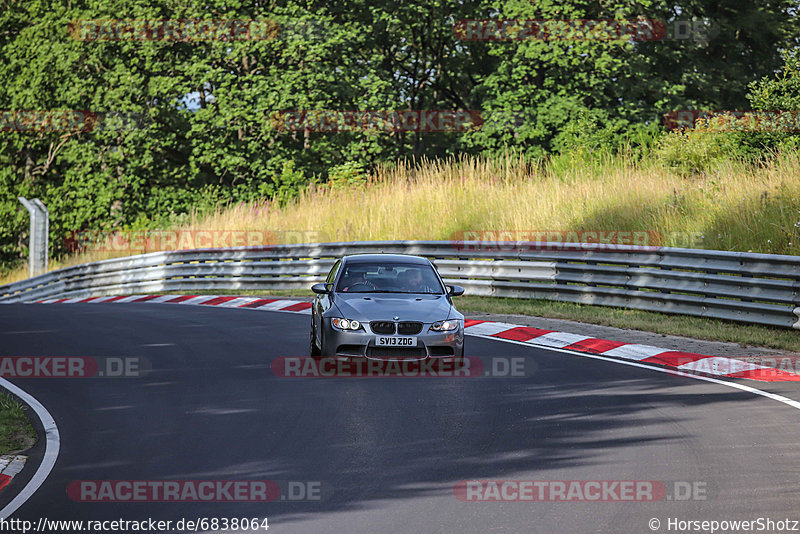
{"points": [[388, 451]]}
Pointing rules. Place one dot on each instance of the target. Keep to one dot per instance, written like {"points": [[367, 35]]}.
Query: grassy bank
{"points": [[16, 432], [660, 323], [736, 206]]}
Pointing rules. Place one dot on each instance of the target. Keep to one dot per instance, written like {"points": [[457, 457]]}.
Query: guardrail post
{"points": [[39, 236]]}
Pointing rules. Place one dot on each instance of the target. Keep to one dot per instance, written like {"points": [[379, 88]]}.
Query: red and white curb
{"points": [[254, 303], [674, 359], [10, 466], [683, 361]]}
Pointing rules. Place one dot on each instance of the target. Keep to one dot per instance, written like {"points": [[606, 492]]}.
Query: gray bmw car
{"points": [[386, 307]]}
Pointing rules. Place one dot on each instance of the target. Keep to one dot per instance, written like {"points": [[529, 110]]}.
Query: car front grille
{"points": [[443, 350], [382, 327], [396, 353], [409, 328]]}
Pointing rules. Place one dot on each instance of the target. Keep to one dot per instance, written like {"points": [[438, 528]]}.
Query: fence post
{"points": [[39, 236]]}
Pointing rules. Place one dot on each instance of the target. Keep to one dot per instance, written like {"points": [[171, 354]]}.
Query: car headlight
{"points": [[346, 324], [445, 326]]}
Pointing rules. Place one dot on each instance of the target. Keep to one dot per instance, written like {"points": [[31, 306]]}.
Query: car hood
{"points": [[384, 307]]}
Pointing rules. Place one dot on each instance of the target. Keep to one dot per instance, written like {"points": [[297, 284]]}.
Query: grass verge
{"points": [[16, 432], [733, 206], [660, 323]]}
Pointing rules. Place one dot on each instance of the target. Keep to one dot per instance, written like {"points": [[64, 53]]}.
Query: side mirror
{"points": [[455, 291], [320, 289]]}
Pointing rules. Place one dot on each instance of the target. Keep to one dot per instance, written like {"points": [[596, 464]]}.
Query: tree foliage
{"points": [[195, 118]]}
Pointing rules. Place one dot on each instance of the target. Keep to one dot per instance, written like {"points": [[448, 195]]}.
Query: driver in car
{"points": [[356, 278]]}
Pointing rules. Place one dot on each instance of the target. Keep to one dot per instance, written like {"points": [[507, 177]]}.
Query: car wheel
{"points": [[322, 352], [460, 358], [313, 349]]}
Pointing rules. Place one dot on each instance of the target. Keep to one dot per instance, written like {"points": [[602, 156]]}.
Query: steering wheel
{"points": [[360, 286]]}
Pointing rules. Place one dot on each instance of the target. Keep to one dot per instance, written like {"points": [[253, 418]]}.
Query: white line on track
{"points": [[52, 445]]}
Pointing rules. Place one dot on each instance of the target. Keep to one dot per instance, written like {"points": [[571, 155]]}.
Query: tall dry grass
{"points": [[738, 206]]}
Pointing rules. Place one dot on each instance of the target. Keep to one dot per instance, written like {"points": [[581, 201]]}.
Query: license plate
{"points": [[395, 341]]}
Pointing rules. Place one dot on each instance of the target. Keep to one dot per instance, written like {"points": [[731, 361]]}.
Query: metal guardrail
{"points": [[745, 287]]}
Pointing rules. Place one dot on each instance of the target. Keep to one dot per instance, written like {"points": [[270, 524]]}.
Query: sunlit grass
{"points": [[16, 432], [737, 206], [740, 207]]}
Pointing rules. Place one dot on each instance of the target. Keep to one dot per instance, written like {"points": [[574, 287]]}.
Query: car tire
{"points": [[460, 358], [322, 352], [313, 349]]}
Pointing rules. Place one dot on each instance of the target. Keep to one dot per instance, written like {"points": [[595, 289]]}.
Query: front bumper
{"points": [[361, 344]]}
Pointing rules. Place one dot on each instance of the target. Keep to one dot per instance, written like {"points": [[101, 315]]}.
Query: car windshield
{"points": [[389, 278]]}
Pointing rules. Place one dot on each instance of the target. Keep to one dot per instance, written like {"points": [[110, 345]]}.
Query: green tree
{"points": [[188, 125]]}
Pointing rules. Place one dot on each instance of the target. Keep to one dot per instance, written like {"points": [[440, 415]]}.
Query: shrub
{"points": [[779, 93], [348, 174], [701, 149]]}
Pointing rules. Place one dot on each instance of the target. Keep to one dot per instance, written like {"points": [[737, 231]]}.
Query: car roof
{"points": [[384, 258]]}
